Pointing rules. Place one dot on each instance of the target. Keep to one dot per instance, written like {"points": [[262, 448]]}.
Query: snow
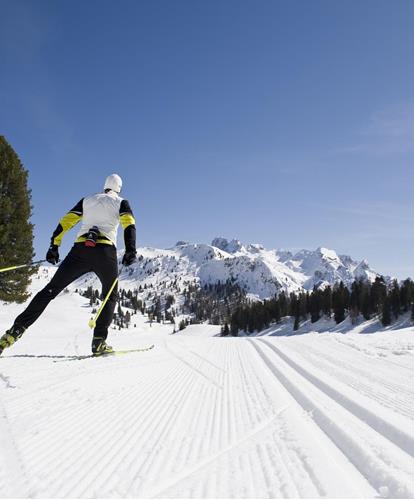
{"points": [[326, 412]]}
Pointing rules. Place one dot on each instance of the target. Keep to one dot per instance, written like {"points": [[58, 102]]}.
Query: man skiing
{"points": [[94, 250]]}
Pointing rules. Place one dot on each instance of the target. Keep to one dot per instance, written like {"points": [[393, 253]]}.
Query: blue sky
{"points": [[289, 123]]}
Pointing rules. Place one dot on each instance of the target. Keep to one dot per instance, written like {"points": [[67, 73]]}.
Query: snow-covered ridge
{"points": [[261, 272]]}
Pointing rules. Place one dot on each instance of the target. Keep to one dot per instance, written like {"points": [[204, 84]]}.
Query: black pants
{"points": [[80, 260]]}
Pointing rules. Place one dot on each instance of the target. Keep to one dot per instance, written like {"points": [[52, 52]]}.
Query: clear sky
{"points": [[288, 123]]}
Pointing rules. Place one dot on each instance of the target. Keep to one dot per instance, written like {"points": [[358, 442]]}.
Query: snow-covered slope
{"points": [[275, 416], [261, 272]]}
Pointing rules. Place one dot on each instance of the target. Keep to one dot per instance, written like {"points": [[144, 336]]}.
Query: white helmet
{"points": [[113, 182]]}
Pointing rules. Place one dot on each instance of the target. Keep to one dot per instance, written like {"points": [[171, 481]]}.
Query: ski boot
{"points": [[10, 337], [99, 347]]}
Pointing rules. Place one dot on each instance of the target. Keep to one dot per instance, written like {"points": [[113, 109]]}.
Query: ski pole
{"points": [[22, 265], [92, 321]]}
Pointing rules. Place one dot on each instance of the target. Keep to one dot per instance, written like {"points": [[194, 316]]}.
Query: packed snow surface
{"points": [[326, 414]]}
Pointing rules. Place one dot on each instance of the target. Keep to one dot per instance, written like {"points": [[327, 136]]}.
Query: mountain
{"points": [[261, 272]]}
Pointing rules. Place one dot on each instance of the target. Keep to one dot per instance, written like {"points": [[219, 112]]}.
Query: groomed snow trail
{"points": [[201, 416]]}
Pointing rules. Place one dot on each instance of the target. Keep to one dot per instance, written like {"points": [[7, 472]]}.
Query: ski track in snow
{"points": [[200, 417], [13, 477], [379, 461], [382, 385]]}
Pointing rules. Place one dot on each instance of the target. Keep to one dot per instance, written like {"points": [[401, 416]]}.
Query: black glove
{"points": [[129, 257], [52, 255]]}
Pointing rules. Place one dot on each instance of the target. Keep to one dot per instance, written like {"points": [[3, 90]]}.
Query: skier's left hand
{"points": [[52, 255], [129, 257]]}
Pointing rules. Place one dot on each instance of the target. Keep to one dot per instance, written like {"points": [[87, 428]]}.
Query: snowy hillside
{"points": [[273, 416], [260, 272]]}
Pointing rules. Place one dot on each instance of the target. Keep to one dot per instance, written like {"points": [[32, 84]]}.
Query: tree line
{"points": [[227, 304], [362, 300]]}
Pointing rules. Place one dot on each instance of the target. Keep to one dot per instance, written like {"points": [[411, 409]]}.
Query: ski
{"points": [[125, 351], [106, 354]]}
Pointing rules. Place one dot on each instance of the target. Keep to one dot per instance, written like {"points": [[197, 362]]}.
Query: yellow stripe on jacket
{"points": [[126, 220], [104, 241], [66, 222]]}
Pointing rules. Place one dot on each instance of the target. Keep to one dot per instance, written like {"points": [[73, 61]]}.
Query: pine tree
{"points": [[327, 301], [284, 306], [378, 293], [365, 300], [296, 312], [407, 294], [296, 324], [315, 305], [395, 299], [354, 301], [225, 330], [340, 298], [127, 319], [277, 311], [16, 232], [386, 311]]}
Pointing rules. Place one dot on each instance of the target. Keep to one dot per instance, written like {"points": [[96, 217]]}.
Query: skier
{"points": [[94, 250]]}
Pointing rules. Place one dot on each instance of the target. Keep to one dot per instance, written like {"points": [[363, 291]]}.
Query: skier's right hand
{"points": [[129, 257], [52, 255]]}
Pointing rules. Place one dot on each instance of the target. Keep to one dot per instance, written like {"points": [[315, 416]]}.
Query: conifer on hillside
{"points": [[16, 231], [386, 311]]}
